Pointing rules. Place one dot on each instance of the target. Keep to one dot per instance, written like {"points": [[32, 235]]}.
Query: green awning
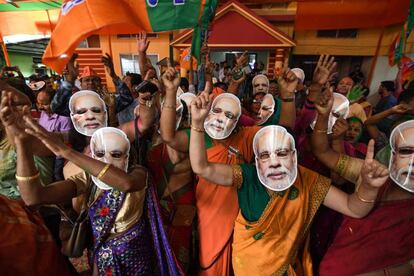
{"points": [[31, 6]]}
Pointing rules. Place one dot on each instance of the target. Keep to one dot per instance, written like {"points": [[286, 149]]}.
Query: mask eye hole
{"points": [[264, 155], [406, 151], [100, 153], [116, 154], [81, 111]]}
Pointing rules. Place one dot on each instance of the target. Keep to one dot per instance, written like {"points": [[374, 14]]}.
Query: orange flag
{"points": [[81, 18]]}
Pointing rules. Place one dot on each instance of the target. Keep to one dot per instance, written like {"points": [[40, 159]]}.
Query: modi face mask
{"points": [[87, 112], [187, 98], [340, 109], [276, 159], [223, 116], [260, 84], [111, 146], [402, 155], [267, 108]]}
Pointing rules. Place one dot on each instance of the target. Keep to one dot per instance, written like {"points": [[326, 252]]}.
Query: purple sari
{"points": [[132, 252]]}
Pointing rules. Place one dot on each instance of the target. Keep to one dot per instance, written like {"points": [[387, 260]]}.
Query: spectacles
{"points": [[280, 154]]}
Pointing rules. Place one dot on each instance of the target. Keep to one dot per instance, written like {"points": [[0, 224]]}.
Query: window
{"points": [[129, 63], [129, 36], [345, 33]]}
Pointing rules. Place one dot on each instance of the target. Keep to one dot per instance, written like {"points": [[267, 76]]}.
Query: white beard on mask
{"points": [[220, 129], [79, 121], [110, 145], [276, 176]]}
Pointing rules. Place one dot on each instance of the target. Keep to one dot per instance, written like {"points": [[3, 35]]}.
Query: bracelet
{"points": [[288, 100], [103, 171], [168, 106], [197, 129], [28, 178], [363, 199], [321, 131]]}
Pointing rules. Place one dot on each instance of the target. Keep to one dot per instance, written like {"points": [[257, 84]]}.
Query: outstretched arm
{"points": [[361, 202], [178, 140], [113, 176], [221, 174], [320, 143], [142, 44], [287, 83]]}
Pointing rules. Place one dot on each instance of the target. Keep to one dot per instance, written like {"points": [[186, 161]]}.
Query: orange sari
{"points": [[26, 245], [217, 206], [278, 242]]}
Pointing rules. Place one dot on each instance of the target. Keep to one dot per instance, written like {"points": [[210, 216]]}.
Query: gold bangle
{"points": [[168, 106], [197, 129], [363, 199], [103, 171], [28, 178], [321, 131]]}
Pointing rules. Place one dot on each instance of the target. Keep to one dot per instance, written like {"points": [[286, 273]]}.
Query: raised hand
{"points": [[339, 129], [200, 107], [171, 79], [142, 42], [71, 71], [287, 83], [356, 93], [373, 173], [10, 117], [242, 59], [52, 142], [325, 102], [324, 69], [109, 64]]}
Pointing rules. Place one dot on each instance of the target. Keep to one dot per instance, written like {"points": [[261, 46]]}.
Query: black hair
{"points": [[20, 85], [184, 82], [406, 96], [366, 91], [389, 85], [136, 79]]}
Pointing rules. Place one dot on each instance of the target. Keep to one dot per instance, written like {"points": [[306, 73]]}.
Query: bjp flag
{"points": [[81, 18]]}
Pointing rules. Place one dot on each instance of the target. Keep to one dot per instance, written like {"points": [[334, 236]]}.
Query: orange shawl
{"points": [[26, 246], [278, 241], [217, 206]]}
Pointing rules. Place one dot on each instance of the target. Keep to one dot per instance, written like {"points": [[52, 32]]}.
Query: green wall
{"points": [[24, 61]]}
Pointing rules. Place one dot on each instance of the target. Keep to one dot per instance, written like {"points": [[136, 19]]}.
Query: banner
{"points": [[81, 18]]}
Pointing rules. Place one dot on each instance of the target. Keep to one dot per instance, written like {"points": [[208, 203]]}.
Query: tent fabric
{"points": [[347, 14]]}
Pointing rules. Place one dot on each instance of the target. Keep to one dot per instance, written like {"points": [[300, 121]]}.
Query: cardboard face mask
{"points": [[87, 112], [276, 159], [187, 98], [267, 108], [223, 117], [260, 84], [340, 109], [110, 145], [402, 155]]}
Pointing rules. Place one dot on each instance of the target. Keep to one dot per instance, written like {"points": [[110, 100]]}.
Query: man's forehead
{"points": [[274, 140], [111, 141], [260, 79], [405, 137], [227, 104], [87, 100]]}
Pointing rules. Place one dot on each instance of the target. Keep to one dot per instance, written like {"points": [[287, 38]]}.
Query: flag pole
{"points": [[5, 53], [374, 61]]}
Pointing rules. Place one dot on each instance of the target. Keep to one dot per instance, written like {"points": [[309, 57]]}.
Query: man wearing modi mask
{"points": [[88, 112], [277, 202], [402, 155]]}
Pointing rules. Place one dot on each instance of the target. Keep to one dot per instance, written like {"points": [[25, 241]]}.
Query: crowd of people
{"points": [[224, 172]]}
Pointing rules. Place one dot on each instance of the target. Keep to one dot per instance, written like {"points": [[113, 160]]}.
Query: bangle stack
{"points": [[169, 106], [28, 178], [321, 131]]}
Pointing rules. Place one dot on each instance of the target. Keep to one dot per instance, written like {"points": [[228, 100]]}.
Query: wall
{"points": [[24, 61], [158, 45]]}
